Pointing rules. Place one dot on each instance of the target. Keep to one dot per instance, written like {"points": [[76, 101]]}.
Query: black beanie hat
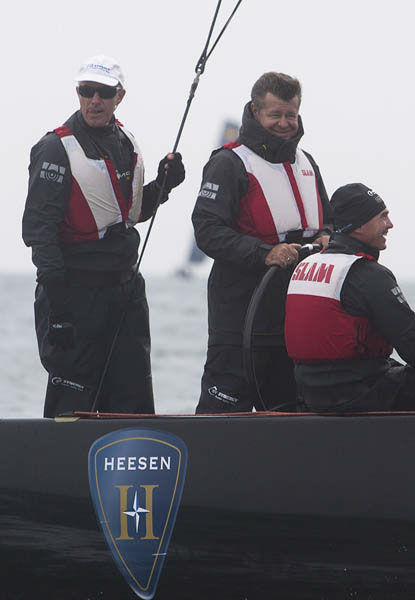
{"points": [[354, 205]]}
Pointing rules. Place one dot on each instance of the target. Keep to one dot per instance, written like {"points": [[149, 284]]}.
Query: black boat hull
{"points": [[290, 507]]}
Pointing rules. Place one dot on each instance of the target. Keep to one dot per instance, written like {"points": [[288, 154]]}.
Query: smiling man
{"points": [[345, 313], [86, 194], [260, 199]]}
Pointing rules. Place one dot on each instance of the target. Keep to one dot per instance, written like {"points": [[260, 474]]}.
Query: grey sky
{"points": [[354, 59]]}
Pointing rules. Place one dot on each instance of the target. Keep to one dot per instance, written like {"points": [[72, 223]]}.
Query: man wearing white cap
{"points": [[86, 194]]}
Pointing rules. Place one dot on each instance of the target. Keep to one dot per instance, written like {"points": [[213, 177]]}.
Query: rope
{"points": [[200, 67]]}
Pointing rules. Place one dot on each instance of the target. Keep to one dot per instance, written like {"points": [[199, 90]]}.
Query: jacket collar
{"points": [[269, 147], [341, 242], [96, 131]]}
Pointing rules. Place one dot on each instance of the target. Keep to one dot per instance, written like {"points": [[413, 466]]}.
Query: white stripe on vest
{"points": [[321, 275], [95, 183], [278, 192], [137, 183]]}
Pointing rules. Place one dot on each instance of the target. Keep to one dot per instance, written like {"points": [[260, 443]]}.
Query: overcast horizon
{"points": [[354, 61]]}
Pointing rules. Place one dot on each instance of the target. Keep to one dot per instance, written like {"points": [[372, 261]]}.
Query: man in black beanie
{"points": [[346, 313]]}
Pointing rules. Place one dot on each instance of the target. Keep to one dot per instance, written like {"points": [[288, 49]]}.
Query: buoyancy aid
{"points": [[96, 201], [281, 197], [317, 328]]}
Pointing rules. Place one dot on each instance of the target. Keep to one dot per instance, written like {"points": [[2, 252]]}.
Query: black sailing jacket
{"points": [[239, 260], [370, 290], [47, 203]]}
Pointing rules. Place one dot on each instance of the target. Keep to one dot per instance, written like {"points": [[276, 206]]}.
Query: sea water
{"points": [[178, 318]]}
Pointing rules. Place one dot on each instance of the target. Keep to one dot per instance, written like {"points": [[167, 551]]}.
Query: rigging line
{"points": [[200, 67], [223, 29]]}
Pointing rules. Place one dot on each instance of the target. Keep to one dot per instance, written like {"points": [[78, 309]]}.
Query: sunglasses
{"points": [[106, 92]]}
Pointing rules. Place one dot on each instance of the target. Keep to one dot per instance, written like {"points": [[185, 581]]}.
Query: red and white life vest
{"points": [[317, 328], [282, 197], [96, 201]]}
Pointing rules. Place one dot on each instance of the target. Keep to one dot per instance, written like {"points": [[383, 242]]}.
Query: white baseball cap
{"points": [[102, 69]]}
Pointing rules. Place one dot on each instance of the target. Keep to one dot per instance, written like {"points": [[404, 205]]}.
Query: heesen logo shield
{"points": [[136, 478]]}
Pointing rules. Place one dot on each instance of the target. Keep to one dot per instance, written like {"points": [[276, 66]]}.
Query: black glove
{"points": [[174, 174], [61, 333]]}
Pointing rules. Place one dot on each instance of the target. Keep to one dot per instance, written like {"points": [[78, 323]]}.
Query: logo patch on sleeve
{"points": [[136, 479], [209, 190], [52, 172], [397, 292]]}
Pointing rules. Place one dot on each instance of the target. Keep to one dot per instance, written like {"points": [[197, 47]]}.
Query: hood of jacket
{"points": [[268, 146]]}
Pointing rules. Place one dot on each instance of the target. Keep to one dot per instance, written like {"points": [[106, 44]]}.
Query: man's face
{"points": [[279, 117], [98, 111], [374, 232]]}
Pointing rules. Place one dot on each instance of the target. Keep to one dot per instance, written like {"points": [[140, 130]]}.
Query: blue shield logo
{"points": [[136, 478]]}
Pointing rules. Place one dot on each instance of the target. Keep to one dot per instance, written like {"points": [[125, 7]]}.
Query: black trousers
{"points": [[394, 390], [74, 375], [225, 388]]}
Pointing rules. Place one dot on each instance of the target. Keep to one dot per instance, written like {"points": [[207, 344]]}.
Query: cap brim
{"points": [[97, 79]]}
